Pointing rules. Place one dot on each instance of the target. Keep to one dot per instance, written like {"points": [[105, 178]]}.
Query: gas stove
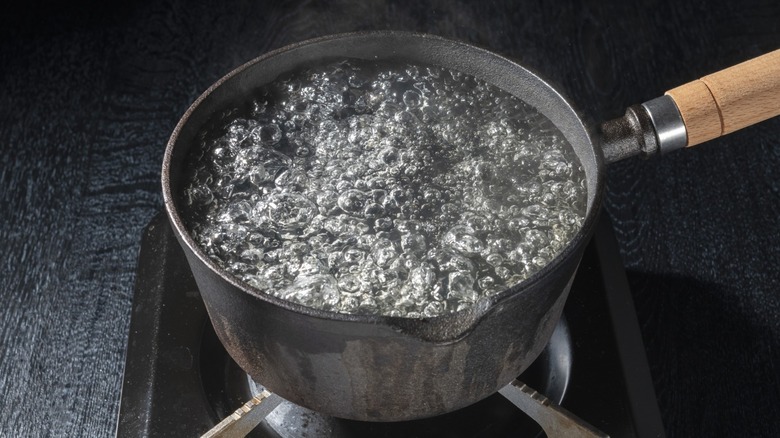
{"points": [[179, 381]]}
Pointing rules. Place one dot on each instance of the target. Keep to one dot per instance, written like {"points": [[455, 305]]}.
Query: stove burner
{"points": [[179, 381], [498, 416]]}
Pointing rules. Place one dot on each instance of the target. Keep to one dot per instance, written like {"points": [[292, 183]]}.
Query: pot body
{"points": [[376, 368]]}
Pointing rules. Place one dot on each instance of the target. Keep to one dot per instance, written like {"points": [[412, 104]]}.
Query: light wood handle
{"points": [[730, 99]]}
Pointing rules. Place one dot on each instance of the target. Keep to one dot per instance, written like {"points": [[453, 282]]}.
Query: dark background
{"points": [[89, 93]]}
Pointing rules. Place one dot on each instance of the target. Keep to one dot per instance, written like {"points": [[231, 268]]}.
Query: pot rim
{"points": [[483, 305]]}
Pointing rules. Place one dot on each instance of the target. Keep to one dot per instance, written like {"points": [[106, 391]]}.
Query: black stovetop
{"points": [[179, 381]]}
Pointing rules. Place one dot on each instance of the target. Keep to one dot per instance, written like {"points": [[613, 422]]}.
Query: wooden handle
{"points": [[730, 99]]}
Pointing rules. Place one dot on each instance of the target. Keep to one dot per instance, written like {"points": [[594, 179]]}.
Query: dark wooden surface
{"points": [[89, 93]]}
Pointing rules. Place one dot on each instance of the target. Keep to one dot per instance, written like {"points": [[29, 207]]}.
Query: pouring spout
{"points": [[445, 328], [652, 128]]}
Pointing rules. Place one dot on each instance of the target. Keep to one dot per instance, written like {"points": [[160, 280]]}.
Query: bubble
{"points": [[292, 179], [450, 209], [298, 249], [433, 308], [266, 135], [236, 213], [413, 244], [327, 202], [239, 130], [252, 255], [389, 155], [272, 161], [486, 283], [353, 255], [349, 304], [349, 284], [275, 274], [320, 291], [303, 150], [289, 210], [373, 210], [258, 282], [311, 266], [412, 99], [535, 238], [199, 195], [383, 224], [399, 196], [494, 259], [257, 175], [477, 222], [368, 305], [504, 273], [461, 287], [352, 201], [422, 277], [449, 261], [384, 252], [461, 238]]}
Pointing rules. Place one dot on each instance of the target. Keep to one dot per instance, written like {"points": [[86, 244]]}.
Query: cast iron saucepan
{"points": [[379, 368]]}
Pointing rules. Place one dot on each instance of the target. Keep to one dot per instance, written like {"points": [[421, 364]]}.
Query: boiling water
{"points": [[370, 189]]}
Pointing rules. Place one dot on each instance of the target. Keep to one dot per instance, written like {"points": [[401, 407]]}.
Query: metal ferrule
{"points": [[655, 127], [669, 126]]}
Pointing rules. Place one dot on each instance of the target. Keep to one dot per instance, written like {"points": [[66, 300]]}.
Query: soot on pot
{"points": [[371, 188]]}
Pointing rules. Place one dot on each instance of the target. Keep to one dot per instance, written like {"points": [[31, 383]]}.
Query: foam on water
{"points": [[372, 189]]}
